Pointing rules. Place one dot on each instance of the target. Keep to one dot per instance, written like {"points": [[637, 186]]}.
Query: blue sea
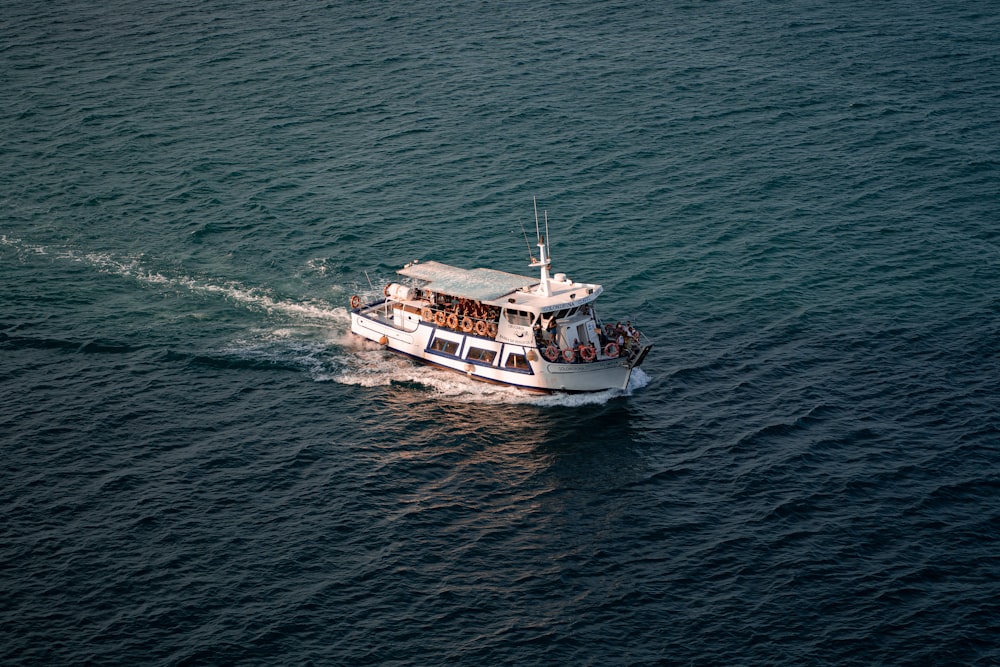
{"points": [[798, 203]]}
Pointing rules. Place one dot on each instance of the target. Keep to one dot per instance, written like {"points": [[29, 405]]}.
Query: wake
{"points": [[134, 268], [316, 338]]}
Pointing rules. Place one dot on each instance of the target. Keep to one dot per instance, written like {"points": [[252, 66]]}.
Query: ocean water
{"points": [[798, 202]]}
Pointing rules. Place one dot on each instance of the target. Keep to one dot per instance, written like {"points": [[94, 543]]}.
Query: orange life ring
{"points": [[439, 318], [552, 353], [427, 314], [452, 321], [611, 350], [569, 354], [355, 301], [491, 329], [385, 290], [466, 325], [480, 328], [587, 353]]}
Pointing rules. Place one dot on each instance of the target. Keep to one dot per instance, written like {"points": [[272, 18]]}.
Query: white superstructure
{"points": [[541, 334]]}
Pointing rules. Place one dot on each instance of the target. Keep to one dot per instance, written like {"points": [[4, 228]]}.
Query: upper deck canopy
{"points": [[478, 284]]}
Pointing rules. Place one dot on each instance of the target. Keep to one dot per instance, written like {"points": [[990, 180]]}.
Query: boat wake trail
{"points": [[313, 335], [135, 268]]}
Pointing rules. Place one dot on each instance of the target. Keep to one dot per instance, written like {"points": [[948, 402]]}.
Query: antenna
{"points": [[369, 281], [534, 202], [548, 239], [523, 231]]}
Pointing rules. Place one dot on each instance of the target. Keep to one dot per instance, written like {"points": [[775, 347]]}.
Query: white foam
{"points": [[133, 267]]}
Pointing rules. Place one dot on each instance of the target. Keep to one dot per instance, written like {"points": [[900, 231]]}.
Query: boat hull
{"points": [[485, 359]]}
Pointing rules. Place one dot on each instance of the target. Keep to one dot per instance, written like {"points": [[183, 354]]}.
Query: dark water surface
{"points": [[800, 204]]}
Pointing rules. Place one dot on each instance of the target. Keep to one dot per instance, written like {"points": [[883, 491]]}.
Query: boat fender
{"points": [[355, 301], [532, 355], [611, 350], [452, 321], [383, 341], [569, 354], [552, 353], [480, 328], [587, 353], [466, 325]]}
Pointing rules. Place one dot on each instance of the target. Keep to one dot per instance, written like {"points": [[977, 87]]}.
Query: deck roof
{"points": [[478, 284]]}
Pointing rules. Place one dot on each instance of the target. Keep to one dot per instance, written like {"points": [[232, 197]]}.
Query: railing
{"points": [[629, 349]]}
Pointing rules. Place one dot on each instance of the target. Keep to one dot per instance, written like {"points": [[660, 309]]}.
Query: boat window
{"points": [[519, 317], [566, 312], [517, 361], [479, 354], [446, 346]]}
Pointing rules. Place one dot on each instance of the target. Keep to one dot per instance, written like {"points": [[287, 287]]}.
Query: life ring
{"points": [[439, 318], [491, 329], [480, 328], [587, 353], [427, 314], [355, 301], [609, 330], [569, 354], [385, 290], [452, 321], [611, 350], [466, 325], [552, 353]]}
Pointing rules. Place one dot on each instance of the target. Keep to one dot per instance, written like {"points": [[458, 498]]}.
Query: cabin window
{"points": [[445, 346], [479, 354], [519, 318], [518, 361]]}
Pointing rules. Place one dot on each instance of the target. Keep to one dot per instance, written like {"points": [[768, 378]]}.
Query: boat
{"points": [[539, 334]]}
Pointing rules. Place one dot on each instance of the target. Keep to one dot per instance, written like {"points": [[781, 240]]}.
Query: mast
{"points": [[543, 262]]}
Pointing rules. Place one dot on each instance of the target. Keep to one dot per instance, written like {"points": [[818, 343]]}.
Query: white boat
{"points": [[541, 334]]}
